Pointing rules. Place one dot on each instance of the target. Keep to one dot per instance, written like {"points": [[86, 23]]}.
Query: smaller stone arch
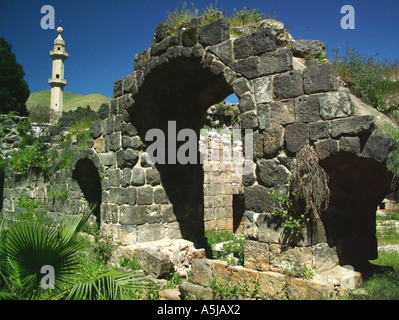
{"points": [[87, 172]]}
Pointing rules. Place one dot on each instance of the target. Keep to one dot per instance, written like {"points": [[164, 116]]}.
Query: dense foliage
{"points": [[14, 90]]}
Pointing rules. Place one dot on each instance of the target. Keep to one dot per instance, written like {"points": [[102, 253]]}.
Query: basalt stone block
{"points": [[308, 48], [171, 53], [249, 120], [263, 90], [161, 47], [254, 44], [247, 67], [133, 215], [270, 228], [118, 121], [296, 136], [326, 148], [270, 173], [131, 157], [160, 196], [161, 32], [128, 129], [127, 176], [141, 59], [264, 116], [224, 51], [167, 214], [145, 195], [273, 141], [108, 125], [198, 51], [217, 67], [107, 159], [307, 108], [281, 113], [190, 37], [288, 85], [96, 130], [276, 62], [104, 111], [349, 144], [352, 125], [257, 199], [320, 78], [246, 103], [215, 32], [376, 147], [114, 177], [319, 130], [115, 141], [138, 177], [241, 86], [128, 195], [257, 145], [118, 88], [131, 142], [153, 177], [335, 105], [129, 84]]}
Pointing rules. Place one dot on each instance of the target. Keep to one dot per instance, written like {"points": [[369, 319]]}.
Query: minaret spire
{"points": [[57, 81]]}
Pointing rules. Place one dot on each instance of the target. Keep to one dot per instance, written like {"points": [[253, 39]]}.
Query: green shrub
{"points": [[130, 263], [367, 78], [32, 156], [232, 244], [81, 117], [245, 16]]}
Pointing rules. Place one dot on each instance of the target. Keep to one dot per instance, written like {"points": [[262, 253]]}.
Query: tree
{"points": [[14, 90]]}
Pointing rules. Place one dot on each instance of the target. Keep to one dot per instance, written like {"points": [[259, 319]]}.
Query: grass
{"points": [[179, 17], [385, 285], [71, 100]]}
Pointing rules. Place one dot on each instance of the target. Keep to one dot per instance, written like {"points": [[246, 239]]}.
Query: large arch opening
{"points": [[180, 91], [86, 175], [358, 185]]}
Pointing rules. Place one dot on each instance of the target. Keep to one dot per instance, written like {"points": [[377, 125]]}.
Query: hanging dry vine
{"points": [[310, 181]]}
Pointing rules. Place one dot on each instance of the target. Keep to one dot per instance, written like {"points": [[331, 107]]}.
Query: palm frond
{"points": [[32, 244], [8, 296], [112, 285]]}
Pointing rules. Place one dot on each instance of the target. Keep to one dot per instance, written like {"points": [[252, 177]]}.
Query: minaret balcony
{"points": [[58, 55], [56, 82]]}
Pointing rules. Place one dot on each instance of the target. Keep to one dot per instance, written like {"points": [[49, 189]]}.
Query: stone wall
{"points": [[223, 171]]}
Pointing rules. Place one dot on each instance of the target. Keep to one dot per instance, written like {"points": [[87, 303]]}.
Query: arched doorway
{"points": [[358, 185], [86, 175], [175, 96]]}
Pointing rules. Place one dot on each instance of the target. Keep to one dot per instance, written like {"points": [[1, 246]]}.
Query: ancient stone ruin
{"points": [[164, 210]]}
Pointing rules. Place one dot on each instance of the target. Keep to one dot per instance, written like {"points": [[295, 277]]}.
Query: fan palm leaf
{"points": [[35, 243]]}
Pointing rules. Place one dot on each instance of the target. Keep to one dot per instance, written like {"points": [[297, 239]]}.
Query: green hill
{"points": [[71, 100]]}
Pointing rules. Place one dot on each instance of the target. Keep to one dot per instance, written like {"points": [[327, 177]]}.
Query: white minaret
{"points": [[57, 82]]}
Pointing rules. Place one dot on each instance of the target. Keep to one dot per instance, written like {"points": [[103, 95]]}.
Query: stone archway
{"points": [[86, 173], [180, 90], [358, 184], [286, 102]]}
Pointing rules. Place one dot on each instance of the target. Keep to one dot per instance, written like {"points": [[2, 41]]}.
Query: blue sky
{"points": [[103, 36]]}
